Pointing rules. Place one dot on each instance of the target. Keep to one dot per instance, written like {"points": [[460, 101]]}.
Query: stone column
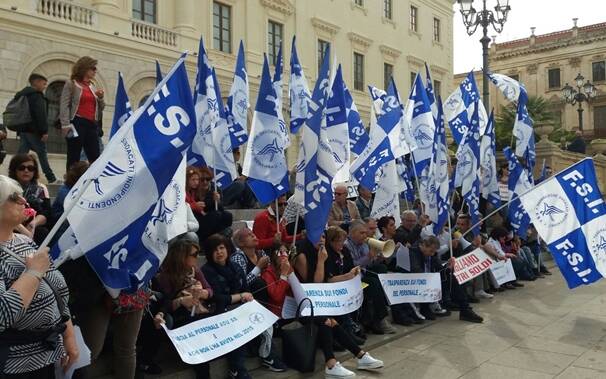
{"points": [[184, 17], [107, 6]]}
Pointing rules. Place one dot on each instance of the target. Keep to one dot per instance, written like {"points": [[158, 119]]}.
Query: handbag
{"points": [[299, 341]]}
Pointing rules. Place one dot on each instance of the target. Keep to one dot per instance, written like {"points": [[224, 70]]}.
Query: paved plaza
{"points": [[541, 331]]}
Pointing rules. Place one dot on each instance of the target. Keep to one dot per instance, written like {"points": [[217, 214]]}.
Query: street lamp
{"points": [[584, 92], [484, 18]]}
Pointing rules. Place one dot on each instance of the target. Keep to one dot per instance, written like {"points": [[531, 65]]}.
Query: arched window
{"points": [[142, 101], [56, 143]]}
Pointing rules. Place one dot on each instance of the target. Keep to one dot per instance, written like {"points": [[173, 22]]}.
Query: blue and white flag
{"points": [[467, 172], [264, 161], [122, 109], [543, 173], [378, 151], [490, 185], [406, 188], [131, 179], [298, 91], [439, 169], [202, 147], [237, 102], [337, 128], [518, 184], [569, 213], [459, 107], [158, 73], [421, 125], [277, 84], [316, 165], [431, 94], [510, 88], [387, 200], [358, 137]]}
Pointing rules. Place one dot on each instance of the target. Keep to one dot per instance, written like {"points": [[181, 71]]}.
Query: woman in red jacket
{"points": [[275, 276]]}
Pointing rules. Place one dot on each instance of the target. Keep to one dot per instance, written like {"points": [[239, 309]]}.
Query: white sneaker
{"points": [[369, 363], [338, 371], [484, 295]]}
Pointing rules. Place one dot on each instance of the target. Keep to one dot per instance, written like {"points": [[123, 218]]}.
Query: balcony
{"points": [[153, 33], [67, 12]]}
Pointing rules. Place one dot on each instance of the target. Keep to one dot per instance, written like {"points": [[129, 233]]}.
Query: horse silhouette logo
{"points": [[552, 210], [271, 149], [163, 214], [109, 171], [423, 137]]}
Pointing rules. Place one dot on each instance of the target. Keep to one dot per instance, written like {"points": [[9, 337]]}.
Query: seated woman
{"points": [[185, 296], [229, 289], [205, 202], [309, 267], [275, 276], [24, 169]]}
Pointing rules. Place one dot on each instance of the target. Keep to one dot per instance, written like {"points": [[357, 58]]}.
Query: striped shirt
{"points": [[42, 313]]}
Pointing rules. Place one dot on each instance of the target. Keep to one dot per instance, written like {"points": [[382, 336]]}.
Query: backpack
{"points": [[17, 115]]}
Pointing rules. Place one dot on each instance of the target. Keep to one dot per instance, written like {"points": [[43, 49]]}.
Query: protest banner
{"points": [[403, 257], [471, 265], [502, 272], [289, 308], [412, 288], [209, 338], [328, 299]]}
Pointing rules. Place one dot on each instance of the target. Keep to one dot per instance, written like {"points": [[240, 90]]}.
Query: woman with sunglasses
{"points": [[228, 282], [265, 226], [24, 169], [184, 296], [205, 202], [275, 276], [80, 111], [35, 327]]}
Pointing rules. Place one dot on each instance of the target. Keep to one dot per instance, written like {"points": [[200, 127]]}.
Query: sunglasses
{"points": [[30, 168], [206, 179], [17, 198], [282, 253]]}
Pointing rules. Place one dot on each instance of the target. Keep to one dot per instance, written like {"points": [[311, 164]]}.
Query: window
{"points": [[599, 118], [437, 88], [436, 29], [414, 12], [387, 74], [358, 72], [145, 10], [359, 3], [274, 38], [387, 9], [413, 76], [322, 46], [599, 71], [554, 78], [222, 27]]}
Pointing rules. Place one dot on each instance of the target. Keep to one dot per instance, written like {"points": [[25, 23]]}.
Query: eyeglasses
{"points": [[205, 179], [30, 168], [17, 198], [282, 253]]}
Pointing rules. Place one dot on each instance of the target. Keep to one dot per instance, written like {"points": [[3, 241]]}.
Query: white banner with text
{"points": [[471, 265], [329, 299], [412, 288]]}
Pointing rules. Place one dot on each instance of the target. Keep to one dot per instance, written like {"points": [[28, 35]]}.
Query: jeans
{"points": [[47, 372], [33, 142], [327, 336], [88, 139]]}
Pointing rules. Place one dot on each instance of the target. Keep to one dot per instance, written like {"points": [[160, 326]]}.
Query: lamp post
{"points": [[484, 18], [584, 92]]}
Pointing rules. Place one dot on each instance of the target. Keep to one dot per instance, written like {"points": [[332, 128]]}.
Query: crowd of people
{"points": [[213, 268]]}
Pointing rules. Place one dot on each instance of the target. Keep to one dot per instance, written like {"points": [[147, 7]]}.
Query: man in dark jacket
{"points": [[577, 145], [36, 133]]}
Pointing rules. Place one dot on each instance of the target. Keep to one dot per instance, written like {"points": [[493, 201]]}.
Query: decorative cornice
{"points": [[282, 6], [532, 68], [438, 69], [574, 62], [361, 41], [325, 26], [390, 52], [503, 52], [414, 60]]}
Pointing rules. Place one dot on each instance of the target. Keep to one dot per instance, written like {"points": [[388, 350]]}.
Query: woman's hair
{"points": [[212, 243], [81, 66], [384, 221], [76, 170], [8, 187], [174, 264], [498, 232], [18, 160], [334, 233], [275, 258]]}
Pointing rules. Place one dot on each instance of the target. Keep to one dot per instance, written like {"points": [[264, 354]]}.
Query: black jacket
{"points": [[577, 145], [38, 109], [405, 236], [418, 261]]}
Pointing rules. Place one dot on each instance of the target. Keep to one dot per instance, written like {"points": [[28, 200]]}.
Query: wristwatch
{"points": [[36, 274]]}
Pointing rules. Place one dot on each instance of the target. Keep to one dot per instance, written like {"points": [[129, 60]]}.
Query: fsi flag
{"points": [[459, 107], [518, 184], [490, 186], [136, 168], [237, 102], [337, 128], [122, 110], [387, 201], [358, 138], [569, 213], [298, 91], [421, 124], [439, 169]]}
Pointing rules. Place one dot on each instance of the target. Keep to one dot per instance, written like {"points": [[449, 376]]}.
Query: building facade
{"points": [[545, 63], [371, 38]]}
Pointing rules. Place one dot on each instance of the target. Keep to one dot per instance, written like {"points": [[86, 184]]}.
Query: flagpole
{"points": [[294, 239], [216, 187], [414, 168], [277, 216]]}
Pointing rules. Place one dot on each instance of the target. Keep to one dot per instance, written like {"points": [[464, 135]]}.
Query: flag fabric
{"points": [[543, 174], [316, 165], [386, 201], [378, 151], [337, 128], [264, 161], [122, 109], [490, 185], [467, 172], [298, 91], [510, 88], [397, 141], [459, 107], [158, 73], [421, 124], [431, 96], [202, 147], [439, 169], [405, 184], [518, 184], [358, 137], [277, 84], [569, 214], [237, 102], [133, 178]]}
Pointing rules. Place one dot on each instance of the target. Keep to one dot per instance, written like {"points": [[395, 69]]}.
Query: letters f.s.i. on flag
{"points": [[122, 110], [131, 179], [237, 102], [569, 213]]}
